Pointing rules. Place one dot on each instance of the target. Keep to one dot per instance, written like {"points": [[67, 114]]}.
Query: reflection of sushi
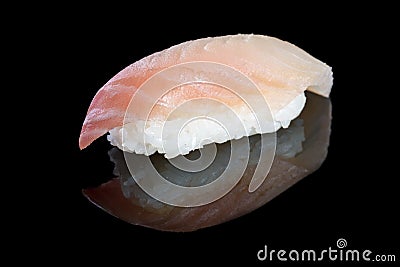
{"points": [[281, 71], [301, 149]]}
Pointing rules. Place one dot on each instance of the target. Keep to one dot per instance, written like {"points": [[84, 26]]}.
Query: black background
{"points": [[352, 196]]}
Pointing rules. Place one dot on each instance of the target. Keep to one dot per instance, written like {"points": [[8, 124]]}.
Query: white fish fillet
{"points": [[281, 71]]}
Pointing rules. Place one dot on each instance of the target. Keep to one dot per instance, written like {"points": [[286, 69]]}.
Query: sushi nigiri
{"points": [[280, 70]]}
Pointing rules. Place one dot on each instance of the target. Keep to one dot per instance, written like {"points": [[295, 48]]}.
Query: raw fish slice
{"points": [[281, 70]]}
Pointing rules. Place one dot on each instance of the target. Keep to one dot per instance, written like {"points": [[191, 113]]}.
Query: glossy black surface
{"points": [[353, 195]]}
